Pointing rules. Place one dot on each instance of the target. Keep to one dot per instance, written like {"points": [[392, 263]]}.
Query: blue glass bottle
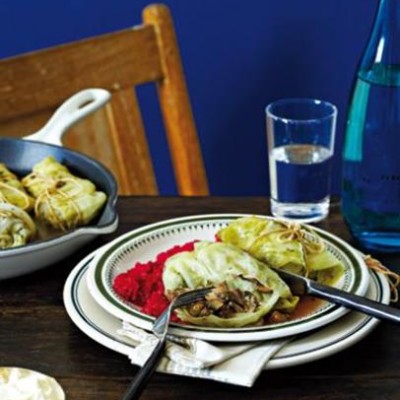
{"points": [[371, 168]]}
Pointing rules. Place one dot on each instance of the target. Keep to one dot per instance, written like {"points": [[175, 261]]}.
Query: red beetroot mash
{"points": [[143, 285]]}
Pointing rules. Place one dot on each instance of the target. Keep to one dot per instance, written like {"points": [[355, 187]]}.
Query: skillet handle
{"points": [[71, 111]]}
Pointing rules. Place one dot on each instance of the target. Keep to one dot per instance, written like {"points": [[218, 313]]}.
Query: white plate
{"points": [[142, 245], [101, 326]]}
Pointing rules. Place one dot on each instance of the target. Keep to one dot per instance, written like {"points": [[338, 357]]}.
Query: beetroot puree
{"points": [[142, 285]]}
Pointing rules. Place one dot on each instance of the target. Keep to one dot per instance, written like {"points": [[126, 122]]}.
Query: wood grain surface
{"points": [[36, 332]]}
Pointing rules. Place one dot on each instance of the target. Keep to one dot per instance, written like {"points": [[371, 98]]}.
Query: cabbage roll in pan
{"points": [[12, 191], [16, 226], [62, 200]]}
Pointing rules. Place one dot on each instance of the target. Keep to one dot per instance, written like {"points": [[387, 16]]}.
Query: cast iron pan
{"points": [[20, 155]]}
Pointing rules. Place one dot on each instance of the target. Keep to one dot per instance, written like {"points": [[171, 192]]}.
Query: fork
{"points": [[160, 329]]}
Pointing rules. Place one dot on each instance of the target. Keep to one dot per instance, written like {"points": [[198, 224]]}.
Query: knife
{"points": [[301, 285]]}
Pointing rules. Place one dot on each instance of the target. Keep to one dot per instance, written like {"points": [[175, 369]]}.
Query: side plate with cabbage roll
{"points": [[143, 244]]}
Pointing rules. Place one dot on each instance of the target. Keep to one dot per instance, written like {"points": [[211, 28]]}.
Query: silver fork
{"points": [[160, 329]]}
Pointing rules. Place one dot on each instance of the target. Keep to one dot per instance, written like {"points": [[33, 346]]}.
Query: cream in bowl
{"points": [[26, 384]]}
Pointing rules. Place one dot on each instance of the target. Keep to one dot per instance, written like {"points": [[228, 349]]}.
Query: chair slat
{"points": [[129, 139], [43, 79], [91, 136], [176, 108]]}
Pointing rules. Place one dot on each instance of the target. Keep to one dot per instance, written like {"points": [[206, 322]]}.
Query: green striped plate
{"points": [[143, 244]]}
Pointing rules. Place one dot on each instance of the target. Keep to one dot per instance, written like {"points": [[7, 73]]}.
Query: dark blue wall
{"points": [[238, 55]]}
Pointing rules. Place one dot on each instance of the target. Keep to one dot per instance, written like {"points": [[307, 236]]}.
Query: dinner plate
{"points": [[102, 327], [142, 245]]}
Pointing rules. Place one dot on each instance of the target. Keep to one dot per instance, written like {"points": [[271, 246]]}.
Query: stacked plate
{"points": [[98, 311]]}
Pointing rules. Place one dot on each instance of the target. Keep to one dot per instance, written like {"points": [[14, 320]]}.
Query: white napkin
{"points": [[238, 364]]}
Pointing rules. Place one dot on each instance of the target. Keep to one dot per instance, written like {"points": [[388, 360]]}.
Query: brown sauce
{"points": [[307, 305]]}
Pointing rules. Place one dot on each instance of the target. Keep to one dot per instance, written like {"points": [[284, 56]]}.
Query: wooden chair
{"points": [[32, 85]]}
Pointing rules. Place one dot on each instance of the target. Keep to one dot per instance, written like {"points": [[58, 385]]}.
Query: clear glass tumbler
{"points": [[301, 136]]}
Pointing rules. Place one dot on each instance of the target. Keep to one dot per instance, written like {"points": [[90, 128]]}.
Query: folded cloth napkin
{"points": [[238, 364]]}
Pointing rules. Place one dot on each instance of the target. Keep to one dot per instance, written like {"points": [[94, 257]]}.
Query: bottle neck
{"points": [[389, 8], [382, 55]]}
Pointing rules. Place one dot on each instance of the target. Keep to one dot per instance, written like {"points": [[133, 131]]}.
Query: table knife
{"points": [[301, 286]]}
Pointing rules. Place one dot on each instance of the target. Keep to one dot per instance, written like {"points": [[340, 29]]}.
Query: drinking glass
{"points": [[301, 135]]}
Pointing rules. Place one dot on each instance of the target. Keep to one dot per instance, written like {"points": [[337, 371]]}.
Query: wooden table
{"points": [[36, 332]]}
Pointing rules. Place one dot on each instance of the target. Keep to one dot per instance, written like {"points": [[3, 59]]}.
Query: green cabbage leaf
{"points": [[213, 263], [16, 226], [12, 190], [282, 245], [62, 200]]}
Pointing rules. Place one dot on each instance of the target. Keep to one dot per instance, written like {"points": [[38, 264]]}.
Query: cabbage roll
{"points": [[49, 174], [12, 190], [284, 245], [16, 226], [246, 290], [62, 200]]}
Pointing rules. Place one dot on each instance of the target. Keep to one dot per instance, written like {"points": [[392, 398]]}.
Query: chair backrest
{"points": [[32, 85]]}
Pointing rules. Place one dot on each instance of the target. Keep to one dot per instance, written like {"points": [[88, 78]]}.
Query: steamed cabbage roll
{"points": [[12, 190], [49, 174], [62, 200], [246, 290], [284, 245], [16, 226]]}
